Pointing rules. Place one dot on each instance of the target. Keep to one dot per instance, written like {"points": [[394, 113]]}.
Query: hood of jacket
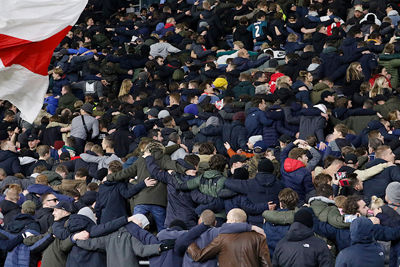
{"points": [[265, 179], [298, 232], [291, 165], [320, 87], [361, 231], [211, 174], [393, 13], [20, 222], [6, 206], [212, 121], [323, 199], [43, 212], [158, 155], [78, 222]]}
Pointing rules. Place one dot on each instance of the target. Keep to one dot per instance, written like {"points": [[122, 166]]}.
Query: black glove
{"points": [[167, 244]]}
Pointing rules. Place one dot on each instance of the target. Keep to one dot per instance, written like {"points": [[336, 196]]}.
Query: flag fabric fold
{"points": [[30, 30]]}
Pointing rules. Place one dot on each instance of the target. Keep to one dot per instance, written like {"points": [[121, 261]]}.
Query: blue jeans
{"points": [[158, 213]]}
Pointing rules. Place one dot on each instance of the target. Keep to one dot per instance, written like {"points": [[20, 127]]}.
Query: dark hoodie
{"points": [[301, 248], [45, 218], [262, 189], [377, 184], [364, 250], [9, 210], [122, 137], [9, 162], [77, 223], [21, 223]]}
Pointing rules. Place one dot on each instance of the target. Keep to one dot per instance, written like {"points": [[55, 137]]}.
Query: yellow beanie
{"points": [[221, 83]]}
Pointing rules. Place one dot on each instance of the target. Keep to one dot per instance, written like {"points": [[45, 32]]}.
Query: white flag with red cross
{"points": [[30, 30]]}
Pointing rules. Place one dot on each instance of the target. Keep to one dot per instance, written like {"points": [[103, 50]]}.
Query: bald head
{"points": [[236, 216]]}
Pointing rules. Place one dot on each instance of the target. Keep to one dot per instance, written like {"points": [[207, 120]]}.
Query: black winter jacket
{"points": [[301, 248]]}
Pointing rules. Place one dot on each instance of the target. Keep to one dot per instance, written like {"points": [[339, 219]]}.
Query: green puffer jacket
{"points": [[279, 217], [390, 105], [209, 183], [391, 63], [326, 211], [156, 195], [318, 89], [244, 88]]}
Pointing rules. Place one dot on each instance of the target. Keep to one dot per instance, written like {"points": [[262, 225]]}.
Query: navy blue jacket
{"points": [[271, 134], [111, 202], [255, 121], [377, 184], [211, 134], [342, 237], [235, 134], [181, 204], [275, 234], [21, 223], [9, 210], [8, 244], [173, 257], [236, 201], [364, 250], [77, 223], [301, 248], [9, 162], [262, 189], [295, 175]]}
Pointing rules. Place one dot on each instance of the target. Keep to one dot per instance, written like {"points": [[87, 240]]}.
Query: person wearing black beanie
{"points": [[265, 165], [304, 217]]}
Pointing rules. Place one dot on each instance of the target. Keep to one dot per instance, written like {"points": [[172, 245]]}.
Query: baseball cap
{"points": [[32, 137], [153, 112], [350, 159], [390, 5], [326, 94], [260, 147], [64, 205], [236, 158], [358, 8]]}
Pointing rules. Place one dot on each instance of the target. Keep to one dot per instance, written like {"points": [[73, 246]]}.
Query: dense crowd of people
{"points": [[211, 133]]}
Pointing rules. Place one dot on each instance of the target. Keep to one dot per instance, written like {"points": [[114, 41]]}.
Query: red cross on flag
{"points": [[30, 30]]}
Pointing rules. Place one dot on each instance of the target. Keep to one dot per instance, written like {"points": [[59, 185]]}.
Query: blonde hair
{"points": [[97, 149], [352, 73], [339, 201], [239, 44], [376, 202], [125, 87], [392, 115], [377, 88], [281, 80]]}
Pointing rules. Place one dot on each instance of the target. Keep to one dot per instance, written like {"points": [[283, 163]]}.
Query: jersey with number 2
{"points": [[257, 28]]}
